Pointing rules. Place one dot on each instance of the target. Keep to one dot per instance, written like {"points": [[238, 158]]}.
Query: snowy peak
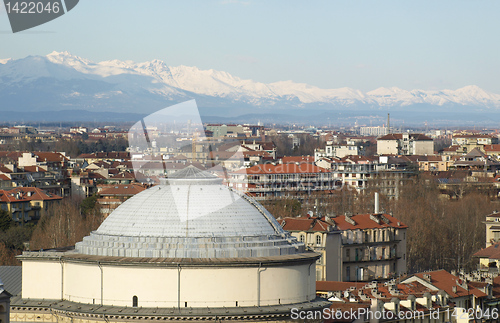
{"points": [[158, 78], [65, 58]]}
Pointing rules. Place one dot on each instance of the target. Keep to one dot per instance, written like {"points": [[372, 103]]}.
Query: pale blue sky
{"points": [[330, 44]]}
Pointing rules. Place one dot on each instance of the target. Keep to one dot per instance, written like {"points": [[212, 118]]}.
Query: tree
{"points": [[88, 204], [63, 225], [284, 208], [7, 257], [16, 236], [5, 220]]}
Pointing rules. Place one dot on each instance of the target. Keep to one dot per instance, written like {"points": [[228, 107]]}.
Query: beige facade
{"points": [[328, 266], [405, 144], [387, 147], [338, 151], [373, 253], [423, 147], [436, 163], [256, 283], [492, 228]]}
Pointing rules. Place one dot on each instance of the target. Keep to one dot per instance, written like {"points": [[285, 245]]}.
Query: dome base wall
{"points": [[155, 283]]}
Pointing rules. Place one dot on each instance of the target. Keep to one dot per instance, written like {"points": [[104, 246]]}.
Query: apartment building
{"points": [[364, 247], [474, 140], [334, 150], [385, 174], [26, 203], [405, 144], [373, 131], [435, 163], [281, 180], [112, 196]]}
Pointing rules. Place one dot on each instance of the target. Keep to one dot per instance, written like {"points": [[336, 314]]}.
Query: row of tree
{"points": [[72, 147]]}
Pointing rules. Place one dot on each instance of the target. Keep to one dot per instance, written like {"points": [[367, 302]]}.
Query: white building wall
{"points": [[42, 279], [423, 147], [158, 286], [82, 283], [28, 159], [387, 147]]}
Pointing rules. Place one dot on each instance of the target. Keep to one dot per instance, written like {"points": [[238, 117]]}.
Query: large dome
{"points": [[190, 215]]}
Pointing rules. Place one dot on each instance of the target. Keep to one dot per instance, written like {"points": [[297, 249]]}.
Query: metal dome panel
{"points": [[193, 217]]}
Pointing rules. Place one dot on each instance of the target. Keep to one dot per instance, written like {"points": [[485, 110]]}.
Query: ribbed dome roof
{"points": [[190, 215]]}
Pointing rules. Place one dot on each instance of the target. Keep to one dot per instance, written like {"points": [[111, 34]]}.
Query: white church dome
{"points": [[190, 215]]}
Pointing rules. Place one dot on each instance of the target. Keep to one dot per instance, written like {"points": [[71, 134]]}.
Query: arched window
{"points": [[301, 238], [318, 240], [135, 301]]}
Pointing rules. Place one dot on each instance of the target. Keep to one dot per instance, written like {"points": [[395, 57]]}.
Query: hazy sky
{"points": [[330, 44]]}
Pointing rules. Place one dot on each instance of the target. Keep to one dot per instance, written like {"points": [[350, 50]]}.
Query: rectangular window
{"points": [[318, 275]]}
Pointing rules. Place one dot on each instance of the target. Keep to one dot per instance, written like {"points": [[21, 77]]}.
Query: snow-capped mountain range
{"points": [[64, 81]]}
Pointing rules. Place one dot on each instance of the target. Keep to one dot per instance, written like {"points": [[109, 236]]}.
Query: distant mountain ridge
{"points": [[62, 81]]}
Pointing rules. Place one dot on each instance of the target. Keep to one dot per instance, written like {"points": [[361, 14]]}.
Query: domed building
{"points": [[189, 248]]}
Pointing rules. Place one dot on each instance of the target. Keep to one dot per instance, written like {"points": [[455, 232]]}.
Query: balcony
{"points": [[368, 259], [372, 243]]}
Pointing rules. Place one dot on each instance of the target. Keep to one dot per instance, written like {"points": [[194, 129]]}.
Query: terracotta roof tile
{"points": [[122, 189], [50, 157], [363, 221], [5, 170], [446, 281], [302, 224], [492, 252], [492, 148], [34, 169], [19, 194]]}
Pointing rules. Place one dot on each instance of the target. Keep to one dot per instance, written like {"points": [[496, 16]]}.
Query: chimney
{"points": [[377, 204]]}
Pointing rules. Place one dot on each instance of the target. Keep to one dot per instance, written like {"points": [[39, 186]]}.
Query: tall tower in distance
{"points": [[388, 123]]}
